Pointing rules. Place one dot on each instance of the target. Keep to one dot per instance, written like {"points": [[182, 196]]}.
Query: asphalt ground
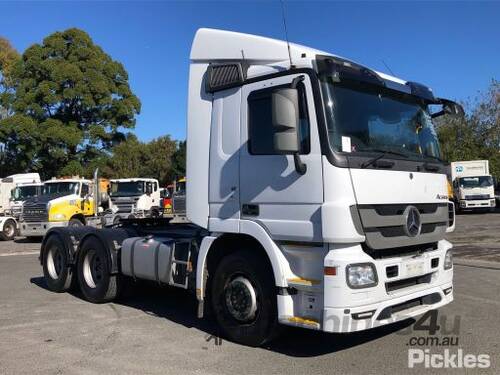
{"points": [[155, 330]]}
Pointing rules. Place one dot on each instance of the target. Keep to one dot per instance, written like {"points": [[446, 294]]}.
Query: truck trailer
{"points": [[473, 185], [315, 197]]}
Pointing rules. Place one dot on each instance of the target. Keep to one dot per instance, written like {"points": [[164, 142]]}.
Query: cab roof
{"points": [[212, 45]]}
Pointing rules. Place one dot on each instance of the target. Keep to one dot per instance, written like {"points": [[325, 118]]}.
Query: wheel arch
{"points": [[78, 216], [214, 248]]}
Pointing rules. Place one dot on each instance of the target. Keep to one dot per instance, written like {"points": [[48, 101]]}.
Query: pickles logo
{"points": [[448, 359], [443, 350]]}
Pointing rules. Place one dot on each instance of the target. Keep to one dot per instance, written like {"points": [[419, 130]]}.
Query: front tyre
{"points": [[96, 282], [75, 223], [244, 299], [9, 230], [58, 274]]}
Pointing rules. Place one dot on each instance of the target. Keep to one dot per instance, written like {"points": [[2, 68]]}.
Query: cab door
{"points": [[272, 193]]}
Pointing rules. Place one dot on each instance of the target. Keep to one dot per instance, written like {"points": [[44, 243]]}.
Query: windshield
{"points": [[24, 192], [368, 118], [127, 188], [65, 188], [473, 182]]}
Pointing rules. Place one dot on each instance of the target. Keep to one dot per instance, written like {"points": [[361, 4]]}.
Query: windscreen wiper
{"points": [[378, 157]]}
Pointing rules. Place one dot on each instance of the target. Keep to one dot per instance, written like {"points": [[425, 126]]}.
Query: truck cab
{"points": [[135, 197], [473, 186], [63, 202], [315, 194], [20, 194], [9, 207]]}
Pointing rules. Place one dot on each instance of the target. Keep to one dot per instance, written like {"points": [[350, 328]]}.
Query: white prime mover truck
{"points": [[134, 198], [14, 190], [473, 186], [316, 198]]}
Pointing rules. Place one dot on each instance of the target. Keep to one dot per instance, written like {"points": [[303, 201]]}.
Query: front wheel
{"points": [[96, 282], [9, 230], [244, 299], [75, 223]]}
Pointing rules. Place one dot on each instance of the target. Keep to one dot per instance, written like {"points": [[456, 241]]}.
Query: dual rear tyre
{"points": [[92, 268]]}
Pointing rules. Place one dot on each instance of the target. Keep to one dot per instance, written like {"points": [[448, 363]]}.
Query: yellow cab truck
{"points": [[64, 202]]}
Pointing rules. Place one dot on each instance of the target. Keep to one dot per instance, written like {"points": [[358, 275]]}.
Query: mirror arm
{"points": [[438, 114], [296, 81], [300, 167]]}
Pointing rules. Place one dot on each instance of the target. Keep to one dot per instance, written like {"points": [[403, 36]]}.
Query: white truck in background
{"points": [[14, 190], [133, 198], [473, 186], [315, 197]]}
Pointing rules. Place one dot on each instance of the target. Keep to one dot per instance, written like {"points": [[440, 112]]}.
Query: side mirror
{"points": [[286, 120], [285, 112], [449, 108]]}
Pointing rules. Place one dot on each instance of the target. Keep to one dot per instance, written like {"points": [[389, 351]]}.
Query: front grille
{"points": [[406, 283], [477, 197], [35, 212], [384, 225], [124, 206]]}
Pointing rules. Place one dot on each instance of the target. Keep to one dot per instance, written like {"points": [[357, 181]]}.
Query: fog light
{"points": [[462, 203], [448, 290], [361, 275], [363, 315], [492, 203], [448, 260]]}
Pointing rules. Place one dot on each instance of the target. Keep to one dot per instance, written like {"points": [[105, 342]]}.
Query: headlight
{"points": [[448, 260], [59, 217], [361, 275]]}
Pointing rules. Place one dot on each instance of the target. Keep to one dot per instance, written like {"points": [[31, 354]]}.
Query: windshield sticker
{"points": [[346, 144]]}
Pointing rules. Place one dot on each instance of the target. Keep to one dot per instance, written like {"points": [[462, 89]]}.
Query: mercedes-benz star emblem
{"points": [[413, 224]]}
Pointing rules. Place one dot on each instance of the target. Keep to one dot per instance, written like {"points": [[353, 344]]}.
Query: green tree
{"points": [[73, 99], [477, 135], [133, 158], [8, 59], [179, 162], [159, 158], [127, 160]]}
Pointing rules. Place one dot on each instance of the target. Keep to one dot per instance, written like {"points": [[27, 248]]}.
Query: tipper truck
{"points": [[473, 185], [315, 197]]}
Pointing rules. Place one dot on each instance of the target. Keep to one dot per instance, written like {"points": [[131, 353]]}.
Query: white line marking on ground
{"points": [[20, 253]]}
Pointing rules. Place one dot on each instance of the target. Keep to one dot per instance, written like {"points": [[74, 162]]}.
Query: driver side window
{"points": [[84, 191]]}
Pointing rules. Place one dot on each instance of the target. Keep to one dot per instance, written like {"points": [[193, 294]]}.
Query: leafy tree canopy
{"points": [[160, 158], [72, 101], [477, 135]]}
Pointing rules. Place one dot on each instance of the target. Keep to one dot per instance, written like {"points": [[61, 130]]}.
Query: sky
{"points": [[453, 47]]}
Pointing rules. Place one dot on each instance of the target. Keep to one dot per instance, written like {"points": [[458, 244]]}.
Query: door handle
{"points": [[250, 209]]}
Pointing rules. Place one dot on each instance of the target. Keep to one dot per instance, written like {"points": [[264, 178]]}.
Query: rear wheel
{"points": [[244, 299], [9, 230], [57, 272], [96, 282]]}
